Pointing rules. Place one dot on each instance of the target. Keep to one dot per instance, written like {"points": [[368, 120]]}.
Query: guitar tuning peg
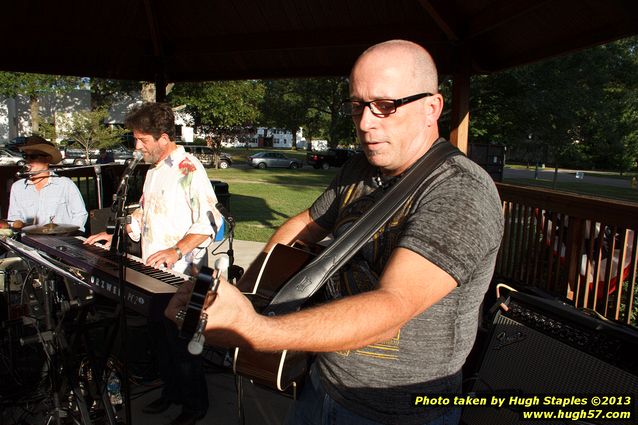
{"points": [[221, 264], [196, 345], [179, 317]]}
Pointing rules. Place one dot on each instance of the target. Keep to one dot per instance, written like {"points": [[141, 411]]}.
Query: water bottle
{"points": [[113, 386]]}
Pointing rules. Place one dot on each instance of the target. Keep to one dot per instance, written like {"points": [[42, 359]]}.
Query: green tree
{"points": [[222, 109], [89, 130], [220, 106], [105, 92], [285, 105], [323, 97], [612, 126], [314, 127], [312, 103], [576, 110]]}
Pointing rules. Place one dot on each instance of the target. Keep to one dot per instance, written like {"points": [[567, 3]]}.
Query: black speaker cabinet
{"points": [[98, 220], [544, 347]]}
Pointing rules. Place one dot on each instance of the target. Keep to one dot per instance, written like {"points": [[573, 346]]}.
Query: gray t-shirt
{"points": [[456, 223]]}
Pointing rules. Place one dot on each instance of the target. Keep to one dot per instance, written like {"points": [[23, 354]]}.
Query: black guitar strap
{"points": [[312, 277]]}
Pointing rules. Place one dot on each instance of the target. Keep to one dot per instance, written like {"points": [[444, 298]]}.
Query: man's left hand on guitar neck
{"points": [[230, 312]]}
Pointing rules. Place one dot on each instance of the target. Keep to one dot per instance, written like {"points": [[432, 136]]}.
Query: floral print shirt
{"points": [[177, 199]]}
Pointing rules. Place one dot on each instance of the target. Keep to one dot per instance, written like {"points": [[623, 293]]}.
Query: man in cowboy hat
{"points": [[44, 197]]}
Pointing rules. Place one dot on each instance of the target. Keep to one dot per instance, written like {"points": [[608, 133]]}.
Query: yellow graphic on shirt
{"points": [[362, 276], [388, 350]]}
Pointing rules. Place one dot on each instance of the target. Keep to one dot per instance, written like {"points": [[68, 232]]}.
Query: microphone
{"points": [[26, 173], [137, 157], [22, 173], [225, 213]]}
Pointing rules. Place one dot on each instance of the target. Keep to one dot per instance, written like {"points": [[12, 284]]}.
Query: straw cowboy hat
{"points": [[38, 144]]}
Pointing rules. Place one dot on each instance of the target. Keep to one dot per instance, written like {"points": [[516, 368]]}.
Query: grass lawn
{"points": [[261, 200]]}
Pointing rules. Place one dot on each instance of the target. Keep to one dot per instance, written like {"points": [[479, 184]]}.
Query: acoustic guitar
{"points": [[283, 370]]}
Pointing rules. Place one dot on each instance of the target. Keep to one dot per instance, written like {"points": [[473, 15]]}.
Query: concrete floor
{"points": [[244, 251]]}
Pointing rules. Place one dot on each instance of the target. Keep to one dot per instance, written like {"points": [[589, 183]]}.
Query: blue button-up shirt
{"points": [[60, 199]]}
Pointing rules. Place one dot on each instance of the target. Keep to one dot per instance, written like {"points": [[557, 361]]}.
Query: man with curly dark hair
{"points": [[176, 221]]}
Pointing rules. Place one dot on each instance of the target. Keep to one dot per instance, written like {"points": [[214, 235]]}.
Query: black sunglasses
{"points": [[379, 107], [34, 155]]}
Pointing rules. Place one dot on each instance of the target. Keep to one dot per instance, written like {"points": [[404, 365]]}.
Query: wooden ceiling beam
{"points": [[158, 53], [443, 18], [500, 13]]}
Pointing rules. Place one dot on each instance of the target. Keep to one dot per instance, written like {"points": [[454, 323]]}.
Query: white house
{"points": [[15, 113], [183, 121], [15, 120], [276, 138], [317, 145]]}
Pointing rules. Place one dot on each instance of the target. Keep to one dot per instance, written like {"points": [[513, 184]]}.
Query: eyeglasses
{"points": [[34, 155], [379, 107]]}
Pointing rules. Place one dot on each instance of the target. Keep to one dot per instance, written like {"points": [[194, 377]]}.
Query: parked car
{"points": [[8, 157], [15, 143], [74, 153], [77, 156], [329, 158], [273, 159], [206, 155], [121, 155]]}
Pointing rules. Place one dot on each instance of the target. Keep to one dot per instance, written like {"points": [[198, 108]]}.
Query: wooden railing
{"points": [[579, 248]]}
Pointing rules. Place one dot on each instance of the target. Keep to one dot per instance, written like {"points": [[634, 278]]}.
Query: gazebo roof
{"points": [[191, 40]]}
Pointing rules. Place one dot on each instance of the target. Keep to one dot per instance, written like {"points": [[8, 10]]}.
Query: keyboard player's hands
{"points": [[164, 258], [103, 237]]}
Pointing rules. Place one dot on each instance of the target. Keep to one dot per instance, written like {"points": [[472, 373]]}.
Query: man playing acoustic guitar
{"points": [[401, 316]]}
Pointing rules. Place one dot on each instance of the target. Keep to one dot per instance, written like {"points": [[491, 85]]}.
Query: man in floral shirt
{"points": [[176, 220], [177, 208]]}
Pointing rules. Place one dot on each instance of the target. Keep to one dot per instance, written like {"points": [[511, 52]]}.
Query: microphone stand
{"points": [[234, 272], [22, 174], [232, 269], [117, 227]]}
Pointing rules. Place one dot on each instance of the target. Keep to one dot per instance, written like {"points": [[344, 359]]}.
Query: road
{"points": [[564, 175]]}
